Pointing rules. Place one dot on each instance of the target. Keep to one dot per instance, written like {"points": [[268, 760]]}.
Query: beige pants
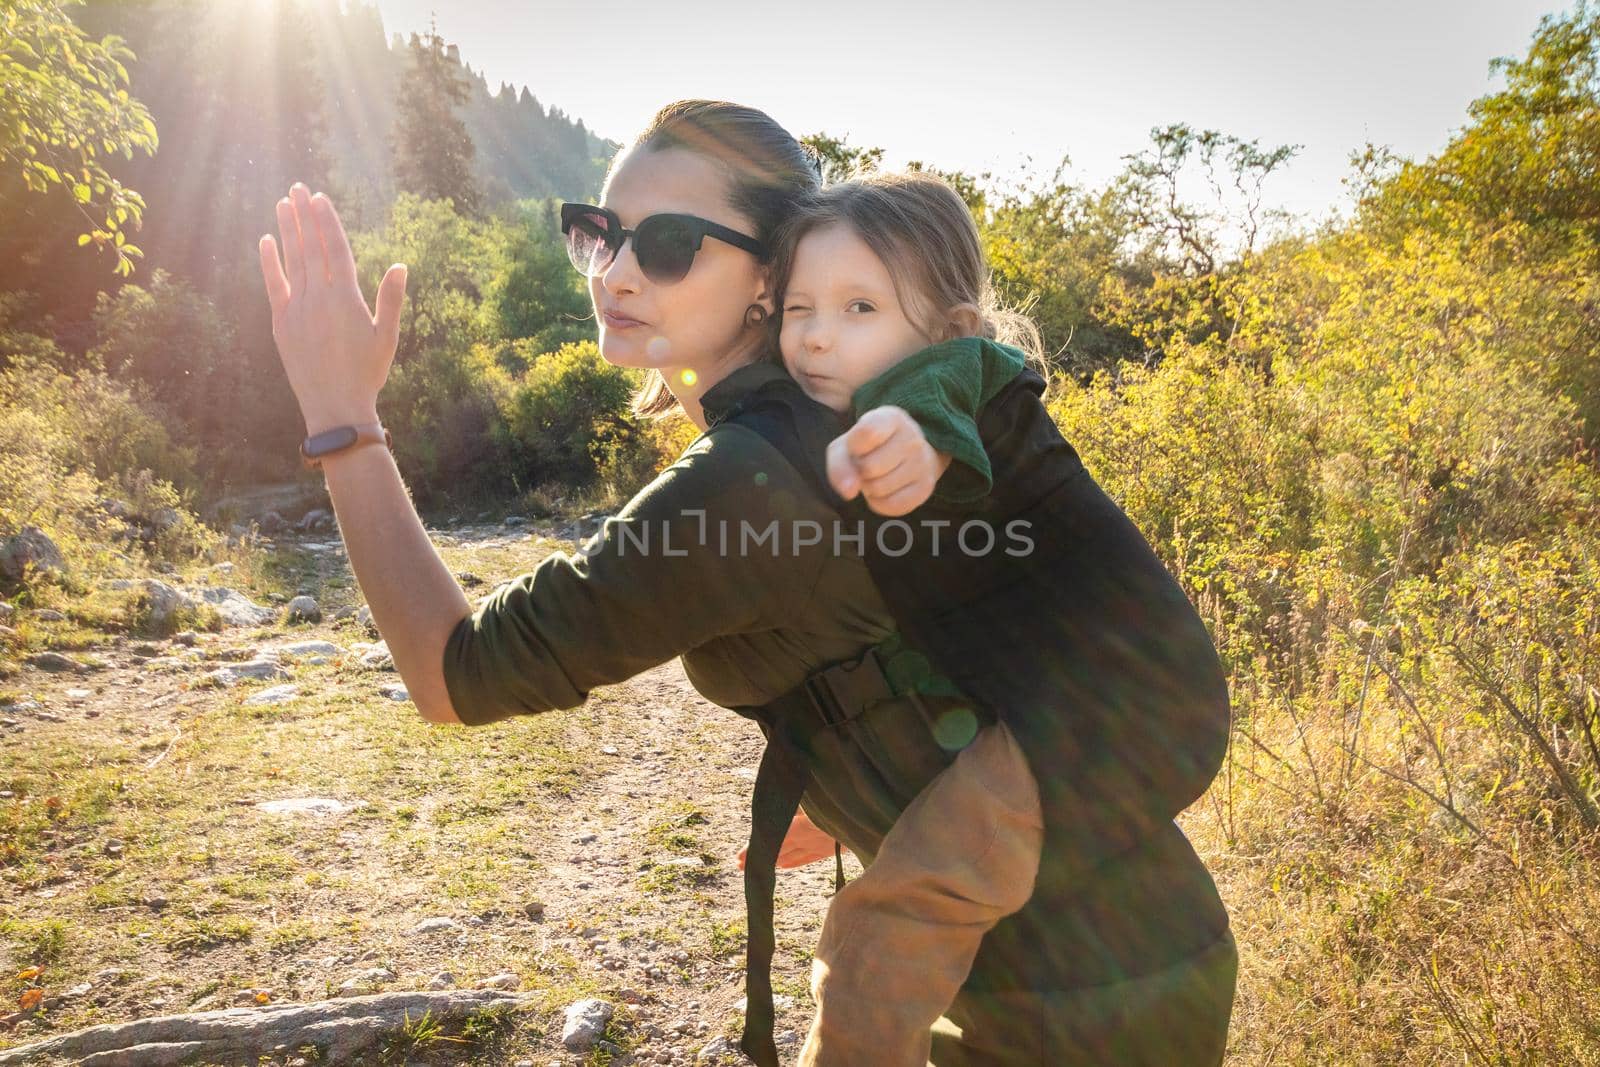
{"points": [[898, 941]]}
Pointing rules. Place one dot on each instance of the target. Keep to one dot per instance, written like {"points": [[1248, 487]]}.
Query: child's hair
{"points": [[925, 235]]}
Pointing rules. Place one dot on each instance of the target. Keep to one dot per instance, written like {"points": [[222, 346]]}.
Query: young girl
{"points": [[1112, 709]]}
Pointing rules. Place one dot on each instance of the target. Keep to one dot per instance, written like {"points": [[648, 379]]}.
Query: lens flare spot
{"points": [[955, 729], [688, 377], [761, 477]]}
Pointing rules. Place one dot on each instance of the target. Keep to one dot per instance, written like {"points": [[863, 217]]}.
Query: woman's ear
{"points": [[963, 320], [764, 294]]}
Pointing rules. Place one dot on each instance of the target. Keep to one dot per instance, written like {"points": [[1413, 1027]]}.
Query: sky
{"points": [[1012, 86]]}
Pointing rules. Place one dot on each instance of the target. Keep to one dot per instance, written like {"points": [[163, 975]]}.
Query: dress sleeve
{"points": [[943, 387], [682, 562]]}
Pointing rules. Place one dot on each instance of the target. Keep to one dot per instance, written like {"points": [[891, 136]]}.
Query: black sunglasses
{"points": [[665, 245]]}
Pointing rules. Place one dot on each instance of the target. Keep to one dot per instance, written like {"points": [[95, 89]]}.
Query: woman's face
{"points": [[694, 323]]}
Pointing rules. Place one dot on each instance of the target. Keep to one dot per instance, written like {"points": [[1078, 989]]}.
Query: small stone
{"points": [[303, 609], [442, 980], [309, 806], [609, 750], [534, 910], [717, 1046], [163, 603], [49, 615], [264, 669], [501, 981], [278, 694], [29, 547], [186, 637], [78, 696], [235, 608], [155, 903], [6, 611], [252, 996], [307, 648], [113, 847], [395, 692], [428, 926], [585, 1024]]}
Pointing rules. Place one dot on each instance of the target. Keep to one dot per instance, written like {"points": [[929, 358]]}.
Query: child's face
{"points": [[842, 321]]}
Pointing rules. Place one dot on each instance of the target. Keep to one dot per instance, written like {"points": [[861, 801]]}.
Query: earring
{"points": [[755, 315]]}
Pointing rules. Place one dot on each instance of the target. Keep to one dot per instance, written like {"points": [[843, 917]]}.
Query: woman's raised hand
{"points": [[336, 353]]}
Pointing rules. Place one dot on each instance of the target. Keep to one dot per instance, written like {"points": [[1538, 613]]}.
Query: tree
{"points": [[61, 105], [840, 161], [433, 152], [1188, 235]]}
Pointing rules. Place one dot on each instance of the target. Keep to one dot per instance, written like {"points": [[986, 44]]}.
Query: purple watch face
{"points": [[331, 440]]}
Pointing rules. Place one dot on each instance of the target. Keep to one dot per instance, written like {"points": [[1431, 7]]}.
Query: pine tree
{"points": [[433, 153]]}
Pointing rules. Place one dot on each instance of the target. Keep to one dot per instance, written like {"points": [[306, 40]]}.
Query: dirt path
{"points": [[141, 874]]}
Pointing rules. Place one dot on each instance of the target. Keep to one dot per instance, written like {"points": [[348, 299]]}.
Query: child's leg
{"points": [[899, 940]]}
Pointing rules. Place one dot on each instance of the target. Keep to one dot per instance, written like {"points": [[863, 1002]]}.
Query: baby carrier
{"points": [[1067, 627]]}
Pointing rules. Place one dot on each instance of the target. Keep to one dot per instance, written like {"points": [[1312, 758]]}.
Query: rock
{"points": [[187, 637], [309, 806], [364, 617], [278, 694], [438, 922], [348, 1031], [164, 519], [344, 613], [395, 692], [307, 648], [515, 520], [10, 636], [119, 584], [6, 611], [49, 615], [316, 518], [468, 579], [53, 661], [272, 522], [374, 657], [586, 1024], [717, 1046], [163, 567], [225, 567], [304, 609], [234, 607], [78, 696], [264, 669], [164, 602], [442, 980], [534, 910], [247, 997], [615, 1053], [30, 548], [502, 981]]}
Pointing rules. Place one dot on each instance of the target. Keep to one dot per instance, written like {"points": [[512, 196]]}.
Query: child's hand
{"points": [[803, 844], [886, 458]]}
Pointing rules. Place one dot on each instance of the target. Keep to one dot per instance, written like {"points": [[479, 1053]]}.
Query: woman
{"points": [[750, 621]]}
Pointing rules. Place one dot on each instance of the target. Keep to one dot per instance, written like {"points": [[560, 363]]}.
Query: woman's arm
{"points": [[415, 601], [337, 356]]}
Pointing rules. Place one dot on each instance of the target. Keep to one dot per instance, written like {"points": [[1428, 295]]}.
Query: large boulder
{"points": [[29, 547]]}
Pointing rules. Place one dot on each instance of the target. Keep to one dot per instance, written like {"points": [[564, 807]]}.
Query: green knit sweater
{"points": [[943, 387]]}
